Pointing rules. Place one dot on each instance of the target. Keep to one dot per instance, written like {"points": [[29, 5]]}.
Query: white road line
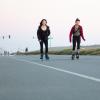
{"points": [[61, 70]]}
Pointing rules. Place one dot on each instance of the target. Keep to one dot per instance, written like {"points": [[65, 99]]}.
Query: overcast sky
{"points": [[20, 19]]}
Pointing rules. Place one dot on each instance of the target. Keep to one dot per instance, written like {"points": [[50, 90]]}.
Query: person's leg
{"points": [[74, 45], [41, 49], [78, 47], [46, 49], [78, 44]]}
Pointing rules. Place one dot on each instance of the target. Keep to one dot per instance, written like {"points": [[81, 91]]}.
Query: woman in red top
{"points": [[77, 33]]}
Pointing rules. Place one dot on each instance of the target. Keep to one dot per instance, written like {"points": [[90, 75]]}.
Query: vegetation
{"points": [[66, 52]]}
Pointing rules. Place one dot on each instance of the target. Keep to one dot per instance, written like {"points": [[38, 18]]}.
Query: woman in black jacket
{"points": [[42, 33]]}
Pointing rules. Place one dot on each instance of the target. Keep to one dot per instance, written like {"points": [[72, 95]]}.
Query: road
{"points": [[60, 78]]}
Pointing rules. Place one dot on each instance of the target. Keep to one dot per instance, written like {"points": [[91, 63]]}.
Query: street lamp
{"points": [[3, 37], [9, 36]]}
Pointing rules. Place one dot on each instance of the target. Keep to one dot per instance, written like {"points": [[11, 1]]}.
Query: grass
{"points": [[65, 52]]}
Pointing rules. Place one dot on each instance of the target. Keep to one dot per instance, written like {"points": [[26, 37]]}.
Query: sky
{"points": [[21, 18]]}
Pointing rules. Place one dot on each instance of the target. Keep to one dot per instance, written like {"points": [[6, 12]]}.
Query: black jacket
{"points": [[43, 35]]}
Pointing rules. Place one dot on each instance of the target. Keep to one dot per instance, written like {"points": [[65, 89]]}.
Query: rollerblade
{"points": [[77, 55], [73, 56], [41, 57], [47, 57]]}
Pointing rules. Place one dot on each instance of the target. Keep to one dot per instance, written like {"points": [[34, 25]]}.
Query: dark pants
{"points": [[45, 42], [76, 40]]}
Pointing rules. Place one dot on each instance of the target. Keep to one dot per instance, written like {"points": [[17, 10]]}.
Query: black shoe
{"points": [[73, 56], [41, 57], [47, 57]]}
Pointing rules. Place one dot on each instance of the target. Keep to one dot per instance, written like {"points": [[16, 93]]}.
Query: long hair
{"points": [[42, 22]]}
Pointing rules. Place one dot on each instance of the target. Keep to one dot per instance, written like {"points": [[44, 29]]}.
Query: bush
{"points": [[65, 52]]}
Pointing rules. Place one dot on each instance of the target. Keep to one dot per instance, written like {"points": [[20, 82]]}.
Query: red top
{"points": [[73, 30]]}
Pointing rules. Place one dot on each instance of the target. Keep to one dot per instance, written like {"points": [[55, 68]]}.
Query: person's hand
{"points": [[70, 40], [39, 40], [84, 39]]}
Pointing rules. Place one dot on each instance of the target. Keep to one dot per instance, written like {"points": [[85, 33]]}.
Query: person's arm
{"points": [[38, 34], [70, 35], [48, 31], [81, 31]]}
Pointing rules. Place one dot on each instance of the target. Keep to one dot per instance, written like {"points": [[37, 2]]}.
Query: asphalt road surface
{"points": [[60, 78]]}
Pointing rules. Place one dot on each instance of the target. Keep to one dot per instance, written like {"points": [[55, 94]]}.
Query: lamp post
{"points": [[5, 37]]}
